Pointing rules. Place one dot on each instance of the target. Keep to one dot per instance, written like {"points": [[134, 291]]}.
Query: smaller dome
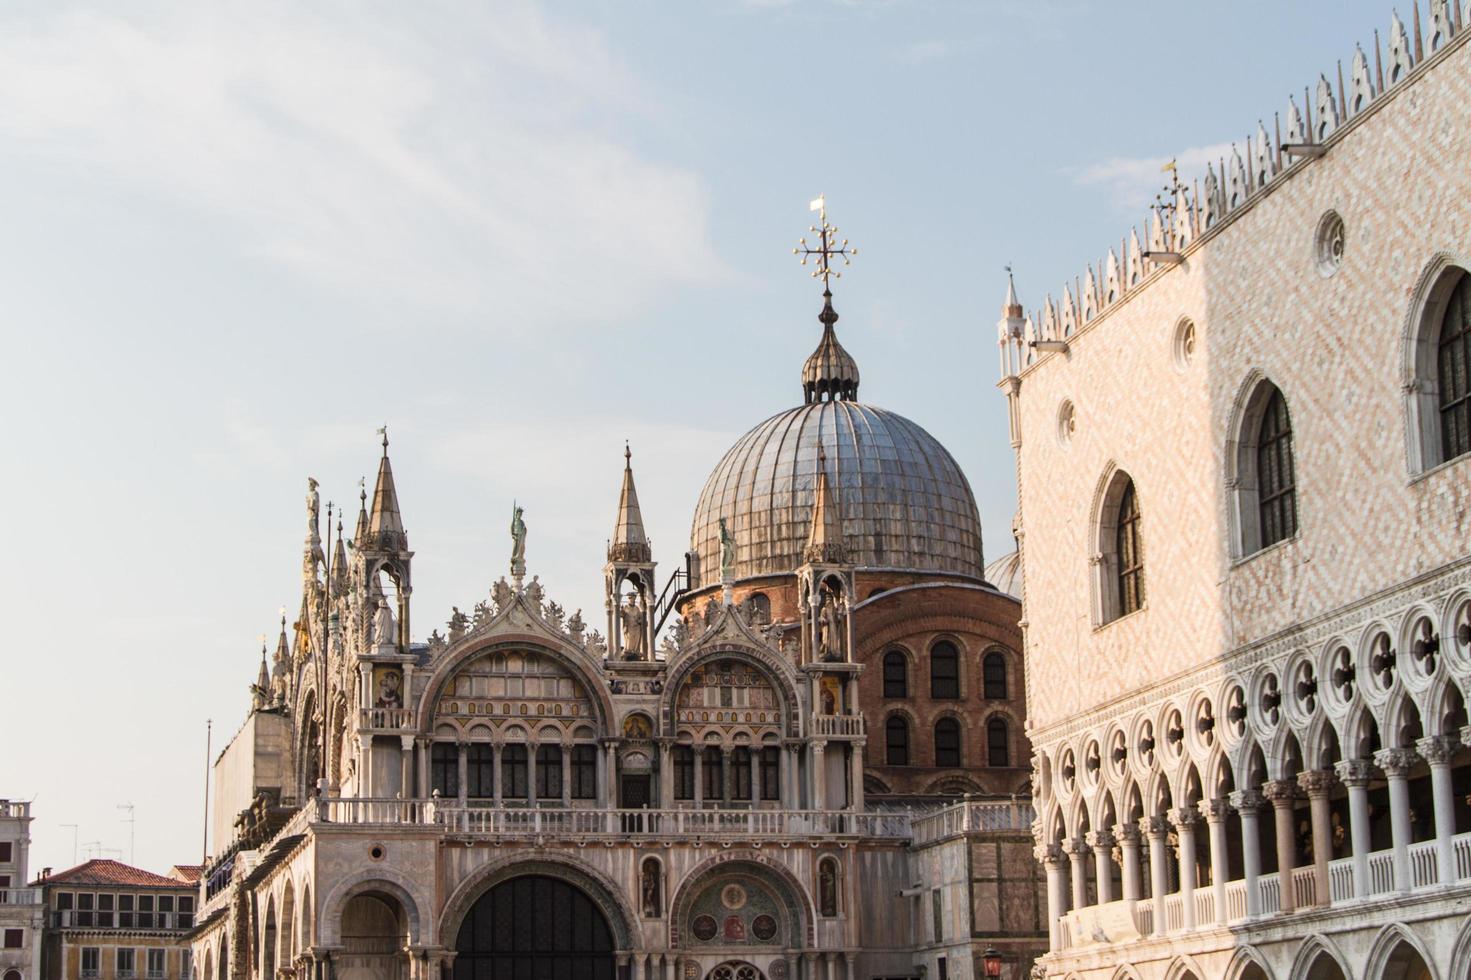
{"points": [[1006, 574], [830, 373]]}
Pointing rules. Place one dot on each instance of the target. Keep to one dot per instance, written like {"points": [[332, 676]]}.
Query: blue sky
{"points": [[236, 240]]}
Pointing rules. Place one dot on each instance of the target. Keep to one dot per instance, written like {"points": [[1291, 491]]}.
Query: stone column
{"points": [[1157, 830], [365, 766], [1101, 842], [566, 775], [1248, 803], [1077, 850], [727, 774], [531, 748], [1050, 855], [497, 772], [1355, 775], [699, 752], [1185, 820], [1437, 750], [1128, 838], [610, 765], [463, 770], [1396, 764], [819, 775], [855, 797], [1215, 812], [1317, 784], [792, 776], [1282, 794], [406, 764], [666, 774], [424, 747]]}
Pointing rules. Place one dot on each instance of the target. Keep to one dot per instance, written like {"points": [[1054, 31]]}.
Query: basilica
{"points": [[800, 755]]}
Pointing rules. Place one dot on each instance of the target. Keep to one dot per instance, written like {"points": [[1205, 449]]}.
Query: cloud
{"points": [[468, 163], [933, 50], [1131, 182]]}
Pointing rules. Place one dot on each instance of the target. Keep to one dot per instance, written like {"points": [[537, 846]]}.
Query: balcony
{"points": [[972, 817], [604, 824], [838, 725], [386, 719], [108, 921], [1125, 921], [20, 896]]}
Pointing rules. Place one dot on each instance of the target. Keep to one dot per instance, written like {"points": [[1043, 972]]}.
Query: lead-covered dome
{"points": [[903, 500]]}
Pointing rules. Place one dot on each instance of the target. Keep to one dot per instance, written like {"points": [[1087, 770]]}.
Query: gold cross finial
{"points": [[827, 247]]}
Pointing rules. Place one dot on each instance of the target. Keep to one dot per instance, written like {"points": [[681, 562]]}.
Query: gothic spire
{"points": [[360, 533], [283, 650], [339, 563], [825, 539], [385, 526], [630, 543]]}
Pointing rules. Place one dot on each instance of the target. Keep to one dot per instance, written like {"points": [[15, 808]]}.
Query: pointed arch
{"points": [[1116, 546], [1443, 284], [1315, 960], [1248, 964], [1260, 470], [1184, 967], [1394, 947]]}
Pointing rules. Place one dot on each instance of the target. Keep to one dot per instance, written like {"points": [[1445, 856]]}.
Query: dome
{"points": [[903, 501], [1006, 574]]}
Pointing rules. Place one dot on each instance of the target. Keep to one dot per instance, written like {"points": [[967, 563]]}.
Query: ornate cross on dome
{"points": [[827, 248]]}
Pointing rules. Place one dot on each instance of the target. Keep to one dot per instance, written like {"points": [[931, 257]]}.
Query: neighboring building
{"points": [[111, 921], [20, 906], [1244, 463], [771, 792]]}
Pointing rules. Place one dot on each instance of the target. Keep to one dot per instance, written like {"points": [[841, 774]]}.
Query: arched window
{"points": [[740, 772], [944, 670], [771, 773], [998, 751], [993, 672], [479, 771], [896, 741], [1453, 373], [896, 675], [1117, 561], [684, 772], [549, 772], [947, 743], [584, 772], [1130, 556], [513, 772], [444, 769], [714, 765], [760, 608], [1277, 492]]}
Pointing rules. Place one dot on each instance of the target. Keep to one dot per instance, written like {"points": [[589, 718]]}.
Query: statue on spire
{"points": [[314, 556], [518, 542]]}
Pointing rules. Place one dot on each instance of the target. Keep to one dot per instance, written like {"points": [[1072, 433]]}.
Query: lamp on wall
{"points": [[991, 962]]}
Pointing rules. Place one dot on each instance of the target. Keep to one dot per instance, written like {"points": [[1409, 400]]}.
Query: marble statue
{"points": [[727, 551], [635, 627], [458, 623], [829, 628], [518, 538], [384, 633]]}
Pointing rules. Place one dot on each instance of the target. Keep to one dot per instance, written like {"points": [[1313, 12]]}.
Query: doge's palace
{"points": [[1245, 474]]}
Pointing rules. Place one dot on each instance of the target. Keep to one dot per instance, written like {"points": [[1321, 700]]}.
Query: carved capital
{"points": [[1438, 749], [1355, 772], [1155, 828], [1247, 801], [1214, 811], [1076, 846], [1317, 782], [1101, 839], [1185, 816], [1048, 854], [1127, 833], [1395, 762], [1280, 792]]}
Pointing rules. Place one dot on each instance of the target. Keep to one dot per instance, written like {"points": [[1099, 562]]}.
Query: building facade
{"points": [[21, 917], [699, 791], [110, 921], [1244, 478]]}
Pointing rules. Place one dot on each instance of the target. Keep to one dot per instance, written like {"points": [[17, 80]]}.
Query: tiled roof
{"points": [[187, 873], [103, 871]]}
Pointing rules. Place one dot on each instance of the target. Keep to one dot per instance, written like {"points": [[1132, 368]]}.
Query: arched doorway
{"points": [[375, 933], [534, 926]]}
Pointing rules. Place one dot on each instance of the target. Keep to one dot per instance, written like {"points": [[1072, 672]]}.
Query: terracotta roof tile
{"points": [[103, 871]]}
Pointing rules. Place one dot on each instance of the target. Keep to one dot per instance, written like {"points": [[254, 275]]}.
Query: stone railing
{"points": [[824, 725], [973, 816], [392, 719], [520, 822], [20, 896]]}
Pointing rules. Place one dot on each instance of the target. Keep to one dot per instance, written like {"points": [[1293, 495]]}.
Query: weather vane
{"points": [[828, 246]]}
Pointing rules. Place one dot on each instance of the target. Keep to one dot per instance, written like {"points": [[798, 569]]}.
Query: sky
{"points": [[237, 239]]}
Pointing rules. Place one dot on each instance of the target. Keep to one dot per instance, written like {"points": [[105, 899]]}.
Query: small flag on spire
{"points": [[818, 203]]}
